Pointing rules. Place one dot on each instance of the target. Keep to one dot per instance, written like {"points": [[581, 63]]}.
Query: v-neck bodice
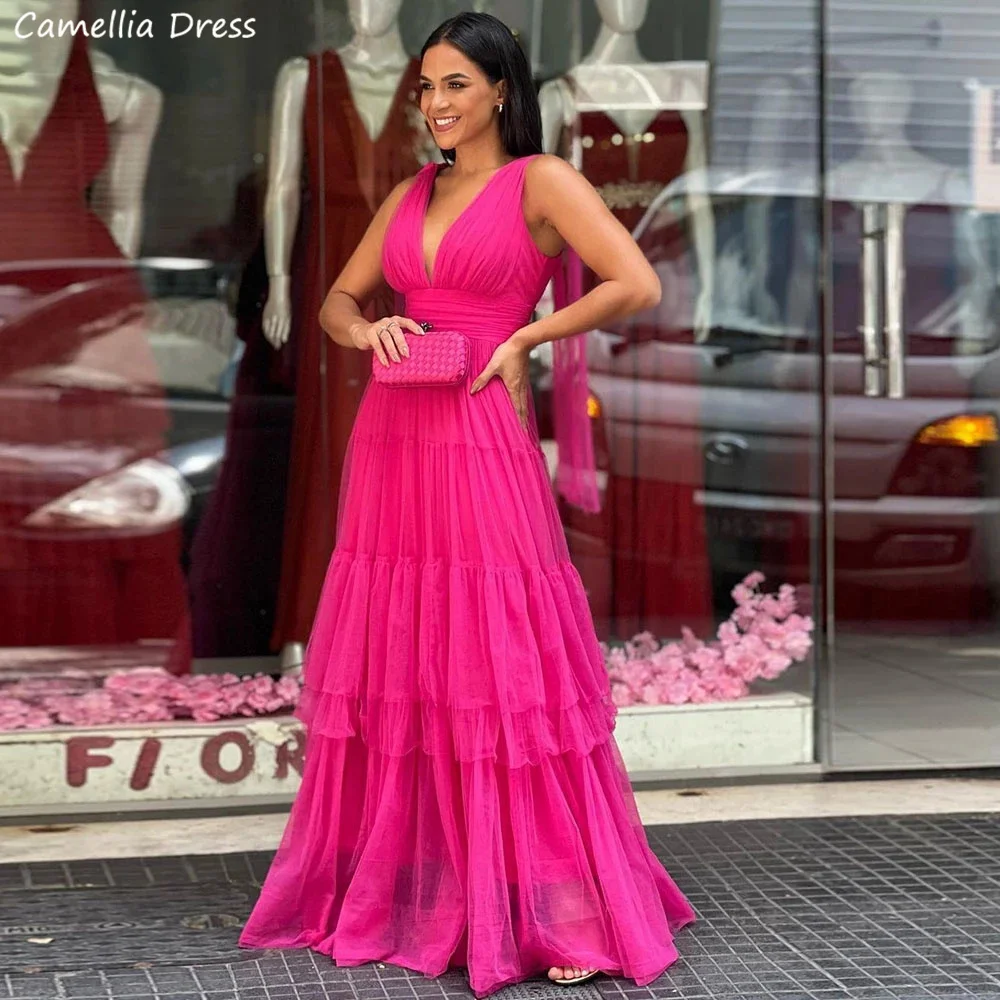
{"points": [[45, 212], [488, 273], [486, 262], [429, 268]]}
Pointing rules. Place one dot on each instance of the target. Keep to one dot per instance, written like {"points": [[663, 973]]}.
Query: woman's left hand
{"points": [[510, 362]]}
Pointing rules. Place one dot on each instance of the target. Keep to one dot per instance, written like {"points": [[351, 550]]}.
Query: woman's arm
{"points": [[340, 315], [558, 194]]}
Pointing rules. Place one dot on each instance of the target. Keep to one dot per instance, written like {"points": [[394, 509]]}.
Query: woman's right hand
{"points": [[385, 337]]}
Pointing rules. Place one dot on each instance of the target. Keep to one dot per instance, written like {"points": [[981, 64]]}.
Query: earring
{"points": [[500, 106]]}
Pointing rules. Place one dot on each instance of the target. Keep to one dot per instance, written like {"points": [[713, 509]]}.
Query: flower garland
{"points": [[138, 696], [762, 637]]}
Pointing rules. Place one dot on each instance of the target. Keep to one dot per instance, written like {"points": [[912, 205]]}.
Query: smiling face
{"points": [[457, 98]]}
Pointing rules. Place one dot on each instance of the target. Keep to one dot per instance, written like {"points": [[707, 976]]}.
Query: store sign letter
{"points": [[79, 758]]}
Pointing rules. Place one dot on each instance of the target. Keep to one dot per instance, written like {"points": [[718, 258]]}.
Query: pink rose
{"points": [[729, 687], [689, 640], [774, 664], [289, 690], [665, 663], [650, 694], [617, 658], [139, 680], [744, 662], [636, 674], [95, 708], [645, 643], [260, 696], [707, 658], [676, 689], [797, 645], [622, 695], [728, 634]]}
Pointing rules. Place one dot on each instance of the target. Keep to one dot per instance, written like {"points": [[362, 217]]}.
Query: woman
{"points": [[463, 801]]}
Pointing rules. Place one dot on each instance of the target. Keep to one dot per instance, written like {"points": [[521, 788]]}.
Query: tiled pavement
{"points": [[884, 908]]}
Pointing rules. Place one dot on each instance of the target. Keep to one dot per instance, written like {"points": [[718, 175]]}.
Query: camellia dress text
{"points": [[463, 802]]}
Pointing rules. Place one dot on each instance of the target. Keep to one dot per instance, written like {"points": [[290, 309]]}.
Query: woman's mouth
{"points": [[445, 124]]}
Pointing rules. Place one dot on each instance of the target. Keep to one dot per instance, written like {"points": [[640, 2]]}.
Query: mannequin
{"points": [[633, 127], [31, 71], [615, 80], [887, 169], [349, 120], [911, 199], [76, 135]]}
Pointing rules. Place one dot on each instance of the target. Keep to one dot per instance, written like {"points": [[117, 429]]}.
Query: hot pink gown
{"points": [[463, 801]]}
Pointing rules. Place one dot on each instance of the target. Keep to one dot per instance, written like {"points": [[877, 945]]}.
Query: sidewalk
{"points": [[873, 908]]}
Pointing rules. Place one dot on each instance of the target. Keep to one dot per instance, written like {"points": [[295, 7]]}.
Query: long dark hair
{"points": [[491, 45]]}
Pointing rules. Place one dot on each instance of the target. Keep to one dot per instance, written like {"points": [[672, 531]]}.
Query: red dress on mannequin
{"points": [[347, 177], [80, 398], [659, 569]]}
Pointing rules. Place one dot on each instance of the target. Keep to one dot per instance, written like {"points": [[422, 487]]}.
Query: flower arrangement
{"points": [[761, 638], [140, 695]]}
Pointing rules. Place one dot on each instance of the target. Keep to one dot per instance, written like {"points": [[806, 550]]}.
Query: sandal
{"points": [[576, 979]]}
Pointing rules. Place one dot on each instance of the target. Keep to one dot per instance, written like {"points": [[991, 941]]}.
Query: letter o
{"points": [[211, 753]]}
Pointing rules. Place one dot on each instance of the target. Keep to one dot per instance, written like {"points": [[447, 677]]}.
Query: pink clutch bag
{"points": [[439, 358]]}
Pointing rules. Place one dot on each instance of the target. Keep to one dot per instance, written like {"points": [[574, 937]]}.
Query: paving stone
{"points": [[873, 908]]}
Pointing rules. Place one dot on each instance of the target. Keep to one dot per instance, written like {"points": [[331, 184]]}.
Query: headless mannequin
{"points": [[887, 169], [374, 61], [616, 79], [31, 71], [743, 298]]}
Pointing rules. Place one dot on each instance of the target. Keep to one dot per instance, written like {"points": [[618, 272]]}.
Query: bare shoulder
{"points": [[549, 177], [547, 171], [553, 187], [395, 196]]}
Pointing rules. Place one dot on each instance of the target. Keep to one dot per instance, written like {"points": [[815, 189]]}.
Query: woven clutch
{"points": [[439, 358]]}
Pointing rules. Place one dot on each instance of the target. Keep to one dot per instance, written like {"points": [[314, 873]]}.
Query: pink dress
{"points": [[463, 802]]}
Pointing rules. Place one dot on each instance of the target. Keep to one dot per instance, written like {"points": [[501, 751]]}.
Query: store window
{"points": [[174, 421]]}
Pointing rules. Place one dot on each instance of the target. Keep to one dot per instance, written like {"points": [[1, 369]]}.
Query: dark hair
{"points": [[491, 45]]}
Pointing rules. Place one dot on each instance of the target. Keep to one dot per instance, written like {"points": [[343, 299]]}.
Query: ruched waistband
{"points": [[472, 314]]}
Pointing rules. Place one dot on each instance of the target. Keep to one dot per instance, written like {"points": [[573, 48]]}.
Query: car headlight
{"points": [[144, 497]]}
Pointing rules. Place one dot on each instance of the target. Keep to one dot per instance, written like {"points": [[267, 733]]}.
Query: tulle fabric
{"points": [[430, 863], [576, 470], [463, 801]]}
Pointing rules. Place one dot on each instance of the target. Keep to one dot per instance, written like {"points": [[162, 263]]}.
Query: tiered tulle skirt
{"points": [[463, 801]]}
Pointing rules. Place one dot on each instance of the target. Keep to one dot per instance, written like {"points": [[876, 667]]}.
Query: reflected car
{"points": [[730, 420], [102, 458]]}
